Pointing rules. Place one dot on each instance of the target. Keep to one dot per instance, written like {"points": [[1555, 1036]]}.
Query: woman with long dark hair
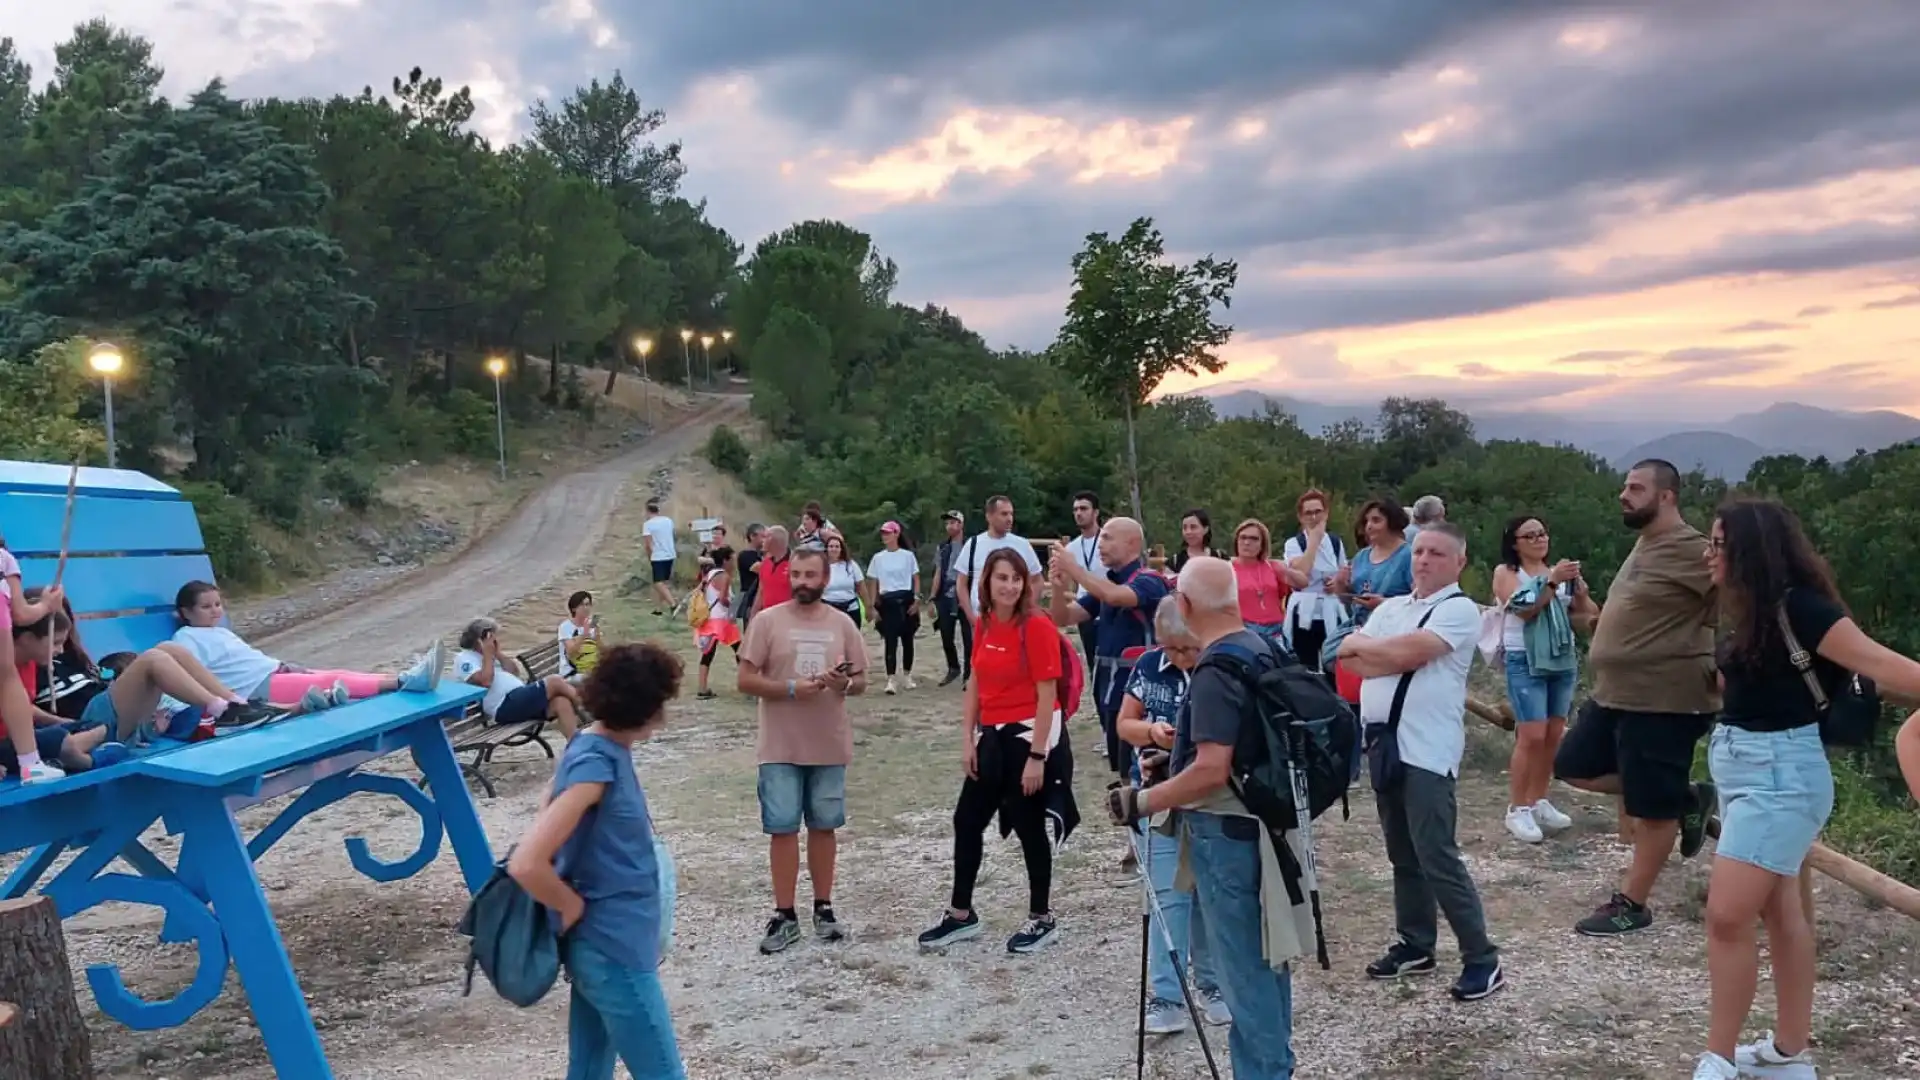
{"points": [[1774, 785], [1196, 539], [1541, 606], [1011, 751], [844, 576]]}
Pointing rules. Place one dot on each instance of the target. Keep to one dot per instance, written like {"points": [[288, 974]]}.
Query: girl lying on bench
{"points": [[260, 677]]}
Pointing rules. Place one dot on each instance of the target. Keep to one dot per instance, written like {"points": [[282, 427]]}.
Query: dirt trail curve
{"points": [[556, 527]]}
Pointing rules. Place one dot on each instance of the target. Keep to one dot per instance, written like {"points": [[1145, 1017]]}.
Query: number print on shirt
{"points": [[810, 651]]}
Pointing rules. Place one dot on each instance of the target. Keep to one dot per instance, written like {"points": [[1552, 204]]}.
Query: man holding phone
{"points": [[802, 659]]}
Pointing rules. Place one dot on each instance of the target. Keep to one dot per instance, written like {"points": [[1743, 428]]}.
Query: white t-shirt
{"points": [[893, 570], [843, 583], [568, 631], [975, 552], [659, 533], [1086, 552], [468, 664], [239, 666], [1433, 728], [717, 607]]}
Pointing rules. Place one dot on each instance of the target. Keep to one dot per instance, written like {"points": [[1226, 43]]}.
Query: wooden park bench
{"points": [[474, 734], [134, 542]]}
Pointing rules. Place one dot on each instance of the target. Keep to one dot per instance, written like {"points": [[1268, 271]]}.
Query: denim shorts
{"points": [[1537, 697], [1776, 792], [789, 793]]}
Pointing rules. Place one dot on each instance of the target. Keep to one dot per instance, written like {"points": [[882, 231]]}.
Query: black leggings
{"points": [[998, 791], [897, 627], [947, 619], [1307, 643], [706, 658], [851, 607]]}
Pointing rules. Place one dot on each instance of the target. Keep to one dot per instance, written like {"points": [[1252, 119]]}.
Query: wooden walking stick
{"points": [[66, 524]]}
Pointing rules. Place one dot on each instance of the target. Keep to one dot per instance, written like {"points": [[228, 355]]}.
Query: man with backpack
{"points": [[1119, 603], [1239, 867], [1414, 654]]}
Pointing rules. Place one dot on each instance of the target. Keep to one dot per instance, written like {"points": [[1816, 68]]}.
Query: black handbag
{"points": [[1382, 741], [1847, 718]]}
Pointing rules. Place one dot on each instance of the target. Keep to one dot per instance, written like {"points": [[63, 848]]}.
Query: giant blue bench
{"points": [[134, 542]]}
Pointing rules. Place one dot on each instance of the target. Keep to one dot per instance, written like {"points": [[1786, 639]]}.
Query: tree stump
{"points": [[47, 1039]]}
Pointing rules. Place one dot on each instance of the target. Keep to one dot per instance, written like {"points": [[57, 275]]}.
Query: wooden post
{"points": [[47, 1038]]}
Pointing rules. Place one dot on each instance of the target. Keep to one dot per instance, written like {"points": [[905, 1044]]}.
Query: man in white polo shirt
{"points": [[1414, 653], [973, 556]]}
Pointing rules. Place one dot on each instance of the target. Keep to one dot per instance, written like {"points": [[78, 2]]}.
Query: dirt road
{"points": [[555, 528]]}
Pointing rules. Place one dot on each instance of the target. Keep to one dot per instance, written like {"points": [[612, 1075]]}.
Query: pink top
{"points": [[1263, 596]]}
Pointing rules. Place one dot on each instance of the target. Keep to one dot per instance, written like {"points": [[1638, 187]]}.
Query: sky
{"points": [[1630, 209]]}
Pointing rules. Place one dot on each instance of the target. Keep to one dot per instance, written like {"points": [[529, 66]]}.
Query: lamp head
{"points": [[643, 345], [105, 358], [726, 335], [496, 366], [706, 341], [686, 335]]}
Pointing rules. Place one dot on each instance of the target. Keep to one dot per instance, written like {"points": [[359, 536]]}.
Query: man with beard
{"points": [[802, 659], [946, 602], [1085, 551], [1655, 693]]}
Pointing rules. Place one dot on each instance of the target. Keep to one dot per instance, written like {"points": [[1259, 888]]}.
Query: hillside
{"points": [[1715, 453]]}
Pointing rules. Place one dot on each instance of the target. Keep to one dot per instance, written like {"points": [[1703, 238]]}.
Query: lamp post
{"points": [[497, 368], [106, 360], [643, 346], [706, 357], [686, 336], [727, 337]]}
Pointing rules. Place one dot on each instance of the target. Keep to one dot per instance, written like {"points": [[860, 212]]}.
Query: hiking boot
{"points": [[951, 931], [891, 688], [1714, 1067], [424, 675], [1401, 960], [1521, 824], [1039, 932], [951, 676], [1761, 1058], [1615, 917], [42, 773], [1166, 1017], [1214, 1005], [783, 932], [1478, 981], [1549, 818], [825, 926], [1693, 824]]}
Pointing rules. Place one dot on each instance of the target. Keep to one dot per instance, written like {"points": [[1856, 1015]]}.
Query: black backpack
{"points": [[513, 940], [1295, 719]]}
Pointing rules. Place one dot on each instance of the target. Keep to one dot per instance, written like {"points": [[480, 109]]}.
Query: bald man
{"points": [[1120, 604]]}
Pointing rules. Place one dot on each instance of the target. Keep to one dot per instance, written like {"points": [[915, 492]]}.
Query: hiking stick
{"points": [[1144, 853], [1140, 1032], [1303, 812], [66, 525]]}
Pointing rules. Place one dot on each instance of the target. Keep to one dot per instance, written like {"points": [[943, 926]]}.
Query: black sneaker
{"points": [[826, 927], [1479, 981], [249, 714], [1036, 935], [1615, 917], [951, 676], [706, 695], [1401, 960], [951, 931], [783, 932], [1693, 824]]}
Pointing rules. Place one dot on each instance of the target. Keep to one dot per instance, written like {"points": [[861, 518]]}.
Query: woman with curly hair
{"points": [[591, 858]]}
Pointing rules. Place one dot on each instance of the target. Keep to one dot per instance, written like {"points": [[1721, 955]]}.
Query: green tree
{"points": [[602, 133], [42, 404], [1135, 318]]}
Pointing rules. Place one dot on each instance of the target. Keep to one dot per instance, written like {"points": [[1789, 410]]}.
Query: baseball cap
{"points": [[890, 527], [953, 515]]}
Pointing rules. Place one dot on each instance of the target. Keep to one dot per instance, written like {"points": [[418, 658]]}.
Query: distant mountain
{"points": [[1726, 449]]}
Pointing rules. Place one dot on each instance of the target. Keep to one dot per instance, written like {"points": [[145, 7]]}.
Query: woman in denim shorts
{"points": [[1775, 787], [1544, 603]]}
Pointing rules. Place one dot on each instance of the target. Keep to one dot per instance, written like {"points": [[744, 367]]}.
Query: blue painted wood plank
{"points": [[31, 524], [128, 633], [143, 582], [48, 477]]}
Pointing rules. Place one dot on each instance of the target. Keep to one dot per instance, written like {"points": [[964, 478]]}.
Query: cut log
{"points": [[47, 1039], [1500, 716]]}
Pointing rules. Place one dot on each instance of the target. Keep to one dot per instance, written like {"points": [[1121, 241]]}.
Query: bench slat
{"points": [[128, 633], [142, 583], [41, 476], [100, 524]]}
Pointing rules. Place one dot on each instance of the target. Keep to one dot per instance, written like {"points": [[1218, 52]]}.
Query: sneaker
{"points": [[314, 700], [951, 931], [1615, 917], [1214, 1006], [826, 927], [891, 689], [706, 695], [783, 932], [114, 753], [1761, 1058], [1693, 824], [1036, 935], [1401, 960], [339, 692], [238, 715], [424, 675], [1166, 1017], [908, 681], [1478, 981], [1521, 824], [951, 676], [1712, 1066], [41, 773], [1549, 818]]}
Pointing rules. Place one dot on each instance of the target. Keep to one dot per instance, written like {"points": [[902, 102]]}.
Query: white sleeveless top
{"points": [[1513, 636], [716, 609]]}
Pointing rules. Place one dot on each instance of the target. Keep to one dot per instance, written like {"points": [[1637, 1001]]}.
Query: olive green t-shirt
{"points": [[1653, 648]]}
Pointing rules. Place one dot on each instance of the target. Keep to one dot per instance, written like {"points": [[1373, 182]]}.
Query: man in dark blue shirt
{"points": [[1120, 603]]}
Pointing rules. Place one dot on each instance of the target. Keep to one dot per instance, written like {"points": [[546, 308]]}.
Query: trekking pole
{"points": [[1140, 1032], [1153, 912], [1303, 818]]}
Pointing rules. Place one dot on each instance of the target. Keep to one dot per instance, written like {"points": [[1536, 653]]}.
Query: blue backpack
{"points": [[513, 940]]}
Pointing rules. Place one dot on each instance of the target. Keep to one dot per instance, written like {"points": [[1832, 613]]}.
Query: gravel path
{"points": [[555, 528]]}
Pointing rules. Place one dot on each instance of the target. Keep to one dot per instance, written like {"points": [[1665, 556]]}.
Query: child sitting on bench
{"points": [[16, 701]]}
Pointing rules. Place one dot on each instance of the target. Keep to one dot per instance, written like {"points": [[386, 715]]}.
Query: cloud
{"points": [[1909, 300], [1760, 326], [1814, 311]]}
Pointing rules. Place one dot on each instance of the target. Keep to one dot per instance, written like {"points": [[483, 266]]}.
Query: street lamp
{"points": [[497, 368], [643, 346], [686, 336], [706, 357], [105, 359]]}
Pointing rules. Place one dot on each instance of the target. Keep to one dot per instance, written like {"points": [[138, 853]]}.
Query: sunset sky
{"points": [[1654, 209]]}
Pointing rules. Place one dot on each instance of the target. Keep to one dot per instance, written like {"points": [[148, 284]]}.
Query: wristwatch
{"points": [[1036, 755]]}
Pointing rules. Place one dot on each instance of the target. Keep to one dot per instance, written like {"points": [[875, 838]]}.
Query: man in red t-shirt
{"points": [[776, 587]]}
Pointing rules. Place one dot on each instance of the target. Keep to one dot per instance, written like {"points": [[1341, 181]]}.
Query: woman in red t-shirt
{"points": [[1011, 753]]}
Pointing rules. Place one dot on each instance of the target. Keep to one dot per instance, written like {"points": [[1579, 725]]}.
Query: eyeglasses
{"points": [[1530, 536]]}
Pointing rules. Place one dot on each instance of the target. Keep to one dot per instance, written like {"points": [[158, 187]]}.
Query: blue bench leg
{"points": [[31, 870], [434, 755], [218, 854], [141, 858]]}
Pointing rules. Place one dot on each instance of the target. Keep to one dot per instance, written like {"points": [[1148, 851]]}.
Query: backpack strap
{"points": [[1802, 661], [1406, 678]]}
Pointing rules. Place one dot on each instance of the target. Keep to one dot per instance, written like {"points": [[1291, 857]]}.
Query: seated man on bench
{"points": [[511, 699]]}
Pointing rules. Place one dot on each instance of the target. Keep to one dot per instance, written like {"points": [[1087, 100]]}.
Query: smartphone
{"points": [[845, 667]]}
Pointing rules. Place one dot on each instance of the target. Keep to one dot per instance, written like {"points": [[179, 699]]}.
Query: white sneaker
{"points": [[890, 687], [1712, 1066], [1549, 818], [910, 682], [1215, 1008], [43, 773], [1521, 824], [1165, 1018], [1761, 1058]]}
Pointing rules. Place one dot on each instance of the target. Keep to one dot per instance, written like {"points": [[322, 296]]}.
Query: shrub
{"points": [[351, 481], [226, 527], [280, 481], [728, 452], [470, 423]]}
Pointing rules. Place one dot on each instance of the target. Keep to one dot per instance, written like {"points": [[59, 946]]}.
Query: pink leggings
{"points": [[286, 688]]}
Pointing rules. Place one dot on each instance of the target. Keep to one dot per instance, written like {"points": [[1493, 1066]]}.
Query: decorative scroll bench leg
{"points": [[31, 870], [433, 753]]}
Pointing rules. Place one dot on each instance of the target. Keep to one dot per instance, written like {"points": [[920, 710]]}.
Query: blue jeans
{"points": [[617, 1011], [790, 794], [1183, 924], [1224, 855], [1537, 695]]}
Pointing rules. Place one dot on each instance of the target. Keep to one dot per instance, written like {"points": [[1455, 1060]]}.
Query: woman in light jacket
{"points": [[1314, 556]]}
